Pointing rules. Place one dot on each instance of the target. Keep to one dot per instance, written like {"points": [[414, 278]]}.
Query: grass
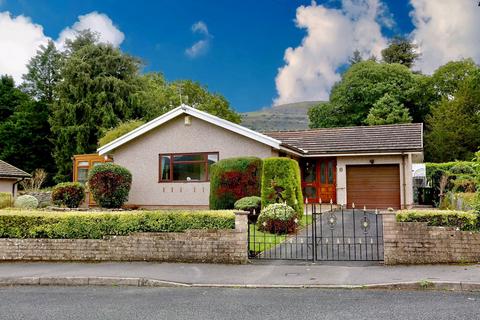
{"points": [[261, 241]]}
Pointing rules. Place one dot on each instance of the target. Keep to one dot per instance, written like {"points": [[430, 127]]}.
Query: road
{"points": [[119, 303]]}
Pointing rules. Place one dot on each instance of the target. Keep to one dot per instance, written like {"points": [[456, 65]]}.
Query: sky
{"points": [[256, 53]]}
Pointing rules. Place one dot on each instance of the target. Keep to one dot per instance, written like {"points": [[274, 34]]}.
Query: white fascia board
{"points": [[254, 135], [184, 109]]}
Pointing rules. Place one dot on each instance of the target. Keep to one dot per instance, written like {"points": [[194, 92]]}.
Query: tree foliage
{"points": [[453, 125], [400, 50], [387, 110], [362, 85], [96, 91], [43, 73]]}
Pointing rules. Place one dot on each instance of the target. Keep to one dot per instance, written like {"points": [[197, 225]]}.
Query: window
{"points": [[186, 166]]}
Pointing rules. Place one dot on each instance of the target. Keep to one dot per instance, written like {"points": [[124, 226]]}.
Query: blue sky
{"points": [[243, 48]]}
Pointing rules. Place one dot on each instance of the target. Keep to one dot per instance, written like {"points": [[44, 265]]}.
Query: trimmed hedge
{"points": [[68, 194], [464, 220], [96, 225], [281, 183], [249, 204], [5, 200], [277, 218], [26, 202], [109, 184], [232, 179]]}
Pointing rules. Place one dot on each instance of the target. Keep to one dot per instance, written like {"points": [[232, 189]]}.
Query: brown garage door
{"points": [[373, 186]]}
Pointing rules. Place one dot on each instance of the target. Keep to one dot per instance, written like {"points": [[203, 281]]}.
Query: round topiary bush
{"points": [[109, 184], [277, 218], [251, 204], [68, 194], [26, 202]]}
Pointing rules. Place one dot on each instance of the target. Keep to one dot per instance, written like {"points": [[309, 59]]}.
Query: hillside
{"points": [[291, 116]]}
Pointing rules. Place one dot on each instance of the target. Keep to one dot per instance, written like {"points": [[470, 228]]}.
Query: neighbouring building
{"points": [[10, 176], [169, 158]]}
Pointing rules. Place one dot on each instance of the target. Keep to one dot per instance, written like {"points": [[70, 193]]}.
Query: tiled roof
{"points": [[363, 139], [9, 171]]}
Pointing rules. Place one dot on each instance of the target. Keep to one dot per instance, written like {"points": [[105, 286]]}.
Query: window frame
{"points": [[172, 165]]}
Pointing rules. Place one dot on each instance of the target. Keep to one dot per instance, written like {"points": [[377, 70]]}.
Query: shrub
{"points": [[5, 200], [68, 194], [277, 218], [26, 202], [96, 225], [109, 184], [120, 130], [441, 218], [232, 179], [249, 204], [281, 183]]}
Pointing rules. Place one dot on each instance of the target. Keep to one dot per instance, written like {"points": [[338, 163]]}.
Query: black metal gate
{"points": [[337, 234]]}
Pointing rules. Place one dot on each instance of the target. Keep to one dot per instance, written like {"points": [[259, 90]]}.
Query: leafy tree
{"points": [[24, 138], [355, 58], [10, 97], [453, 126], [400, 50], [447, 78], [96, 91], [362, 85], [43, 73], [158, 96], [387, 110]]}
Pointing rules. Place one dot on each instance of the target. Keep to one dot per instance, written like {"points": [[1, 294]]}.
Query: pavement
{"points": [[271, 275]]}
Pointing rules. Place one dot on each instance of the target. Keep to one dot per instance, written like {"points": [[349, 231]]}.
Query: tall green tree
{"points": [[96, 93], [400, 50], [24, 138], [361, 86], [448, 78], [43, 73], [387, 110], [10, 97], [454, 124]]}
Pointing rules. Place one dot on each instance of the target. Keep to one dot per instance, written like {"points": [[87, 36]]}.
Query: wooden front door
{"points": [[319, 179]]}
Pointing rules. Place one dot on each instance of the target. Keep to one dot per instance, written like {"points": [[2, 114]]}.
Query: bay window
{"points": [[186, 166]]}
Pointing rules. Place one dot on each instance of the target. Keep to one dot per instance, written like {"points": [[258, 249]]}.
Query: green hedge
{"points": [[282, 174], [232, 179], [465, 220], [96, 225]]}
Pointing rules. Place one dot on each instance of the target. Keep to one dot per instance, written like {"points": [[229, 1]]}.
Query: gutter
{"points": [[14, 184]]}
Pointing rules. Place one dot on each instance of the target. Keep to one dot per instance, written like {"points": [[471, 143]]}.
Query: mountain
{"points": [[291, 116]]}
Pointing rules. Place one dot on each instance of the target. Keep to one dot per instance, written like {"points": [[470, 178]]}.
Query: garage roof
{"points": [[9, 171], [365, 139]]}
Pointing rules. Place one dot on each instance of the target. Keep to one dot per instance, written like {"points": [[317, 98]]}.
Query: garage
{"points": [[373, 186]]}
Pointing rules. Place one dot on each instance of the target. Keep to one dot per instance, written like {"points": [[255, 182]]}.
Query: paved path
{"points": [[252, 274], [119, 303]]}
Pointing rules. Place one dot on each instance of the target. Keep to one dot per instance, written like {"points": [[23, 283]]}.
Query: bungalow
{"points": [[10, 176], [170, 156]]}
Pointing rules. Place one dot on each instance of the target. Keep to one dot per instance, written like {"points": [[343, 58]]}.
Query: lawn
{"points": [[261, 241]]}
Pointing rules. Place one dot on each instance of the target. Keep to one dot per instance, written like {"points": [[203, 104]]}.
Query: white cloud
{"points": [[200, 27], [97, 22], [201, 46], [20, 38], [311, 69], [445, 30], [19, 41]]}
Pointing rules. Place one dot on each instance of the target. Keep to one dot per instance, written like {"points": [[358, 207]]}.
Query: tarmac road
{"points": [[119, 303]]}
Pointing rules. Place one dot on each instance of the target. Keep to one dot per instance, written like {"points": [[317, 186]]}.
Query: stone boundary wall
{"points": [[417, 243], [216, 246]]}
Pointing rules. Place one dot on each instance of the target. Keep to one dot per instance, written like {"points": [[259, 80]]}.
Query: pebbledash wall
{"points": [[417, 243], [217, 246]]}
